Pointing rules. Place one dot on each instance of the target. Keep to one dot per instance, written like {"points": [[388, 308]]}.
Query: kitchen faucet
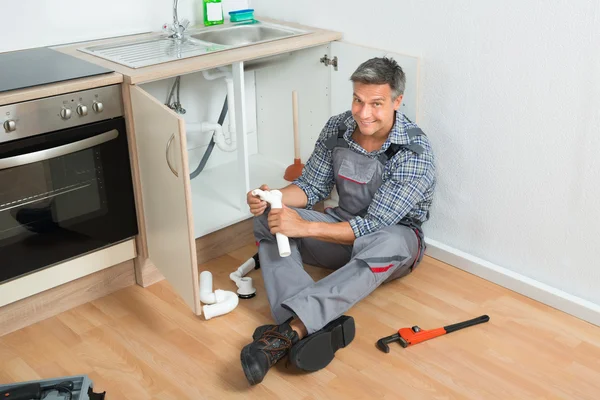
{"points": [[176, 28]]}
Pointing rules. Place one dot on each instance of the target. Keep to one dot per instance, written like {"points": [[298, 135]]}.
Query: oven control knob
{"points": [[10, 126], [65, 113], [98, 107], [82, 110]]}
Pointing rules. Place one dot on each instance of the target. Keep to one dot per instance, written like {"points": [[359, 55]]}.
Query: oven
{"points": [[65, 179]]}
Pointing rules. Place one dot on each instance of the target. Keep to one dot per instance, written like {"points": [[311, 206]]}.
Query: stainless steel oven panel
{"points": [[29, 118]]}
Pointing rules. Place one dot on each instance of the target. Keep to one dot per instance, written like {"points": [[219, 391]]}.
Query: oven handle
{"points": [[58, 151]]}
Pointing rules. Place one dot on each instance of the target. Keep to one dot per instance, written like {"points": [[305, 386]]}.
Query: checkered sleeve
{"points": [[317, 176], [406, 185]]}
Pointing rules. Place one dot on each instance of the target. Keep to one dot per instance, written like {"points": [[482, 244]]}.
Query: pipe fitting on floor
{"points": [[218, 303], [246, 290]]}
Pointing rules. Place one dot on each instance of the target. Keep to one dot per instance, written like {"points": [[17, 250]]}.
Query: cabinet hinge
{"points": [[328, 61]]}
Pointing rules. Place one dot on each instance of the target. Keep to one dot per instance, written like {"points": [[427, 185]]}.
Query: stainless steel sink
{"points": [[142, 53], [196, 42], [242, 35]]}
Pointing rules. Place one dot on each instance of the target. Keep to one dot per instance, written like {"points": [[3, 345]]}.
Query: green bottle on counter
{"points": [[213, 12]]}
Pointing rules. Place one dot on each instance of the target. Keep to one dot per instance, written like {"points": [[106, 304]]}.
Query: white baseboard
{"points": [[531, 288], [68, 271]]}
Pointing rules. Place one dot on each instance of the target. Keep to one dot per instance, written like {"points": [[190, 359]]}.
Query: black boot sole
{"points": [[251, 369], [316, 351]]}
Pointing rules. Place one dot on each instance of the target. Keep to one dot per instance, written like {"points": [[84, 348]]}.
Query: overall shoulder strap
{"points": [[412, 133], [339, 141], [394, 148]]}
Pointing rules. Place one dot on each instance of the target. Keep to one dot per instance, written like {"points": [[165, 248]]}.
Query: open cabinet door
{"points": [[167, 199], [349, 57]]}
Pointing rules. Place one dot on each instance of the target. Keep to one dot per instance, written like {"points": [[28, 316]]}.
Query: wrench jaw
{"points": [[382, 344], [403, 342]]}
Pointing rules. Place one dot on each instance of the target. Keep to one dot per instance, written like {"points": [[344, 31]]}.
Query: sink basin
{"points": [[143, 53], [242, 35], [197, 42]]}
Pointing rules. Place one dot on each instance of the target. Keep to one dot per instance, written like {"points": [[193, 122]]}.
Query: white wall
{"points": [[509, 97], [37, 23]]}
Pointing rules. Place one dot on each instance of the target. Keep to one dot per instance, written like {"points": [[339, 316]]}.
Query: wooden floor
{"points": [[145, 344]]}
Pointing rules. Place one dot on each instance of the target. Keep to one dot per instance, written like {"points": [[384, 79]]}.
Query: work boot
{"points": [[258, 332], [260, 355], [316, 351]]}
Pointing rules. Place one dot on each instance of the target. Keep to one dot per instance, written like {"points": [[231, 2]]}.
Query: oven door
{"points": [[64, 194]]}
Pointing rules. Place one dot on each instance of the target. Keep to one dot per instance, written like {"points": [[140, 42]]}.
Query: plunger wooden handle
{"points": [[296, 129]]}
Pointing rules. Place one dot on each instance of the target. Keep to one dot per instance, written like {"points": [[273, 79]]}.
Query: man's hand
{"points": [[257, 206], [287, 221]]}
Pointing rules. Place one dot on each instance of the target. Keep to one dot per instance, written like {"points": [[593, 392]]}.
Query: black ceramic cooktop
{"points": [[40, 66]]}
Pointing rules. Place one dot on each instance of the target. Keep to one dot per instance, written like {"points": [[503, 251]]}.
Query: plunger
{"points": [[295, 170]]}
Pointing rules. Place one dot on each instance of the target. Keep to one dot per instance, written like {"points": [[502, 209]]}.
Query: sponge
{"points": [[242, 15]]}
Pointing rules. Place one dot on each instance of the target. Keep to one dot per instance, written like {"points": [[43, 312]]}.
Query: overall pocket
{"points": [[356, 172]]}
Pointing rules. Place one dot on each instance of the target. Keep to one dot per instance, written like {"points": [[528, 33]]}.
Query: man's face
{"points": [[373, 109]]}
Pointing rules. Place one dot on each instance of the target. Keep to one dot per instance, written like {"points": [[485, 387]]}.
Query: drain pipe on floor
{"points": [[220, 302], [244, 283]]}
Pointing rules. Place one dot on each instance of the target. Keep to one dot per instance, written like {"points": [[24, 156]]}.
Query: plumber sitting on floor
{"points": [[383, 167]]}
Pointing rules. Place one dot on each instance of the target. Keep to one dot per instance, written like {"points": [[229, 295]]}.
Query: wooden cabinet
{"points": [[178, 209], [165, 189]]}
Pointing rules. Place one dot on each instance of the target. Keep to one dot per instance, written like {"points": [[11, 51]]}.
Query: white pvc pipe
{"points": [[222, 144], [212, 74], [274, 197], [220, 302], [202, 127], [209, 126], [219, 135], [231, 106], [246, 267], [244, 284], [206, 288], [226, 302]]}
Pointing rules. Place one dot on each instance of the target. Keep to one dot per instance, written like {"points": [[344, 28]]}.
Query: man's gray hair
{"points": [[379, 71]]}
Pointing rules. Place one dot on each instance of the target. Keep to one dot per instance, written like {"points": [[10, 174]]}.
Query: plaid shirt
{"points": [[408, 178]]}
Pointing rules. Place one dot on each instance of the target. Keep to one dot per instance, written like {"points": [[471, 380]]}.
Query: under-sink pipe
{"points": [[222, 141], [228, 143], [216, 73], [203, 127], [220, 302], [231, 106]]}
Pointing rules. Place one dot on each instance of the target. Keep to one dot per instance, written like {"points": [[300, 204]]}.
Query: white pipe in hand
{"points": [[274, 197]]}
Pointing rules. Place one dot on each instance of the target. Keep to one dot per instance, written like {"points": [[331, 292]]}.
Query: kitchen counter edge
{"points": [[207, 61], [57, 88]]}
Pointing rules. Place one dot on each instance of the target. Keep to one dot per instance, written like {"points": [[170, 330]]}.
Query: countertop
{"points": [[168, 69], [206, 61]]}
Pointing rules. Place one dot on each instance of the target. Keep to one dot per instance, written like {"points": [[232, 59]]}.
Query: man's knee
{"points": [[395, 239]]}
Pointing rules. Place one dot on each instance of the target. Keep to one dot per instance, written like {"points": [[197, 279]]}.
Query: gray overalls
{"points": [[373, 259]]}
